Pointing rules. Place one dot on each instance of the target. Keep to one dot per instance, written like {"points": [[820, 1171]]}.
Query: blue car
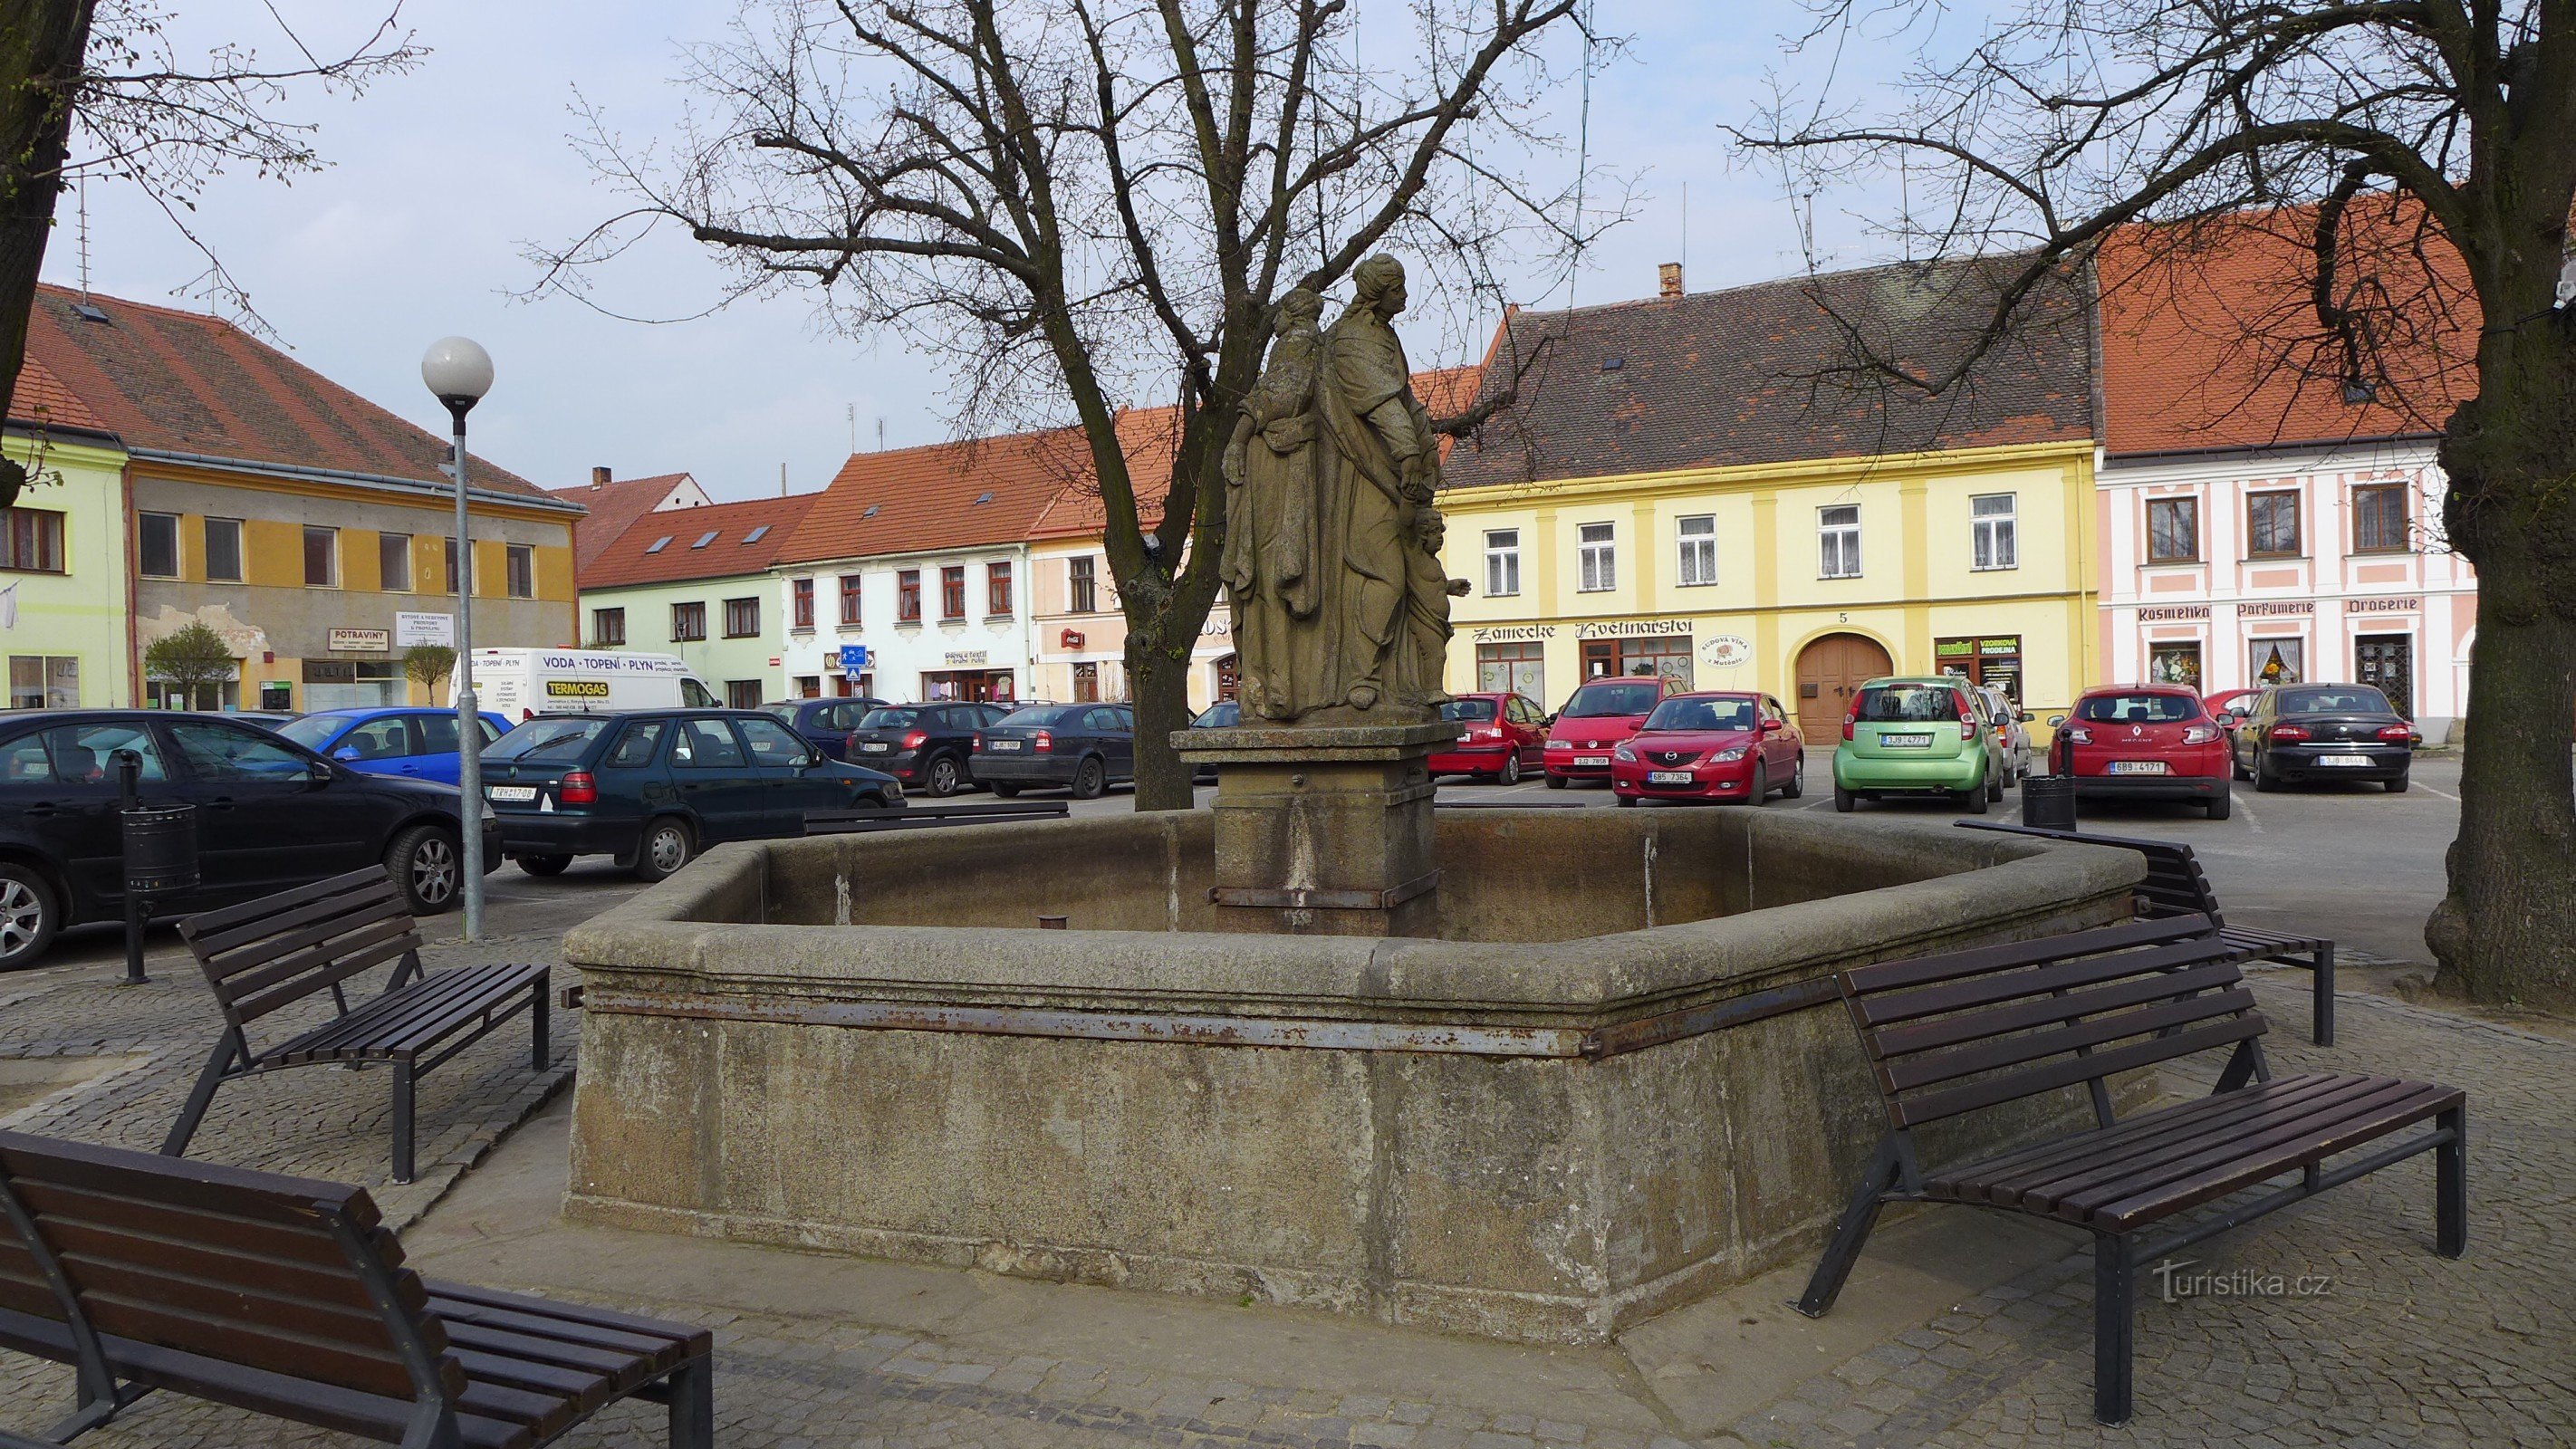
{"points": [[415, 741]]}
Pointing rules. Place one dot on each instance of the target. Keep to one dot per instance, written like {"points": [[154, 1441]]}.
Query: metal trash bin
{"points": [[160, 848], [2048, 802]]}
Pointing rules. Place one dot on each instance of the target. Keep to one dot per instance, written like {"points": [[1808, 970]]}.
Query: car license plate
{"points": [[513, 792], [876, 747], [1668, 777], [2138, 767], [1906, 742], [1592, 759], [1006, 746], [2364, 761]]}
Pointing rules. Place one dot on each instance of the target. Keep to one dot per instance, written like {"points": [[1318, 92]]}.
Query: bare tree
{"points": [[99, 87], [1090, 206], [2427, 151]]}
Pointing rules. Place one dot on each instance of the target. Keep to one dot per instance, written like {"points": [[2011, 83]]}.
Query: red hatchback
{"points": [[1712, 747], [1499, 735], [2144, 741], [1600, 716]]}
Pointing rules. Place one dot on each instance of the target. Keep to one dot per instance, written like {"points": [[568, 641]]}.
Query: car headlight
{"points": [[1560, 744], [1722, 756], [1624, 753]]}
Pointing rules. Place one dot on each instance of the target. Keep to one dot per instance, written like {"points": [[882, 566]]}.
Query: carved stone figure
{"points": [[1273, 572], [1427, 599], [1380, 462]]}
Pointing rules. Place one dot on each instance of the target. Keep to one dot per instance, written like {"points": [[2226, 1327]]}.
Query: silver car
{"points": [[2011, 725]]}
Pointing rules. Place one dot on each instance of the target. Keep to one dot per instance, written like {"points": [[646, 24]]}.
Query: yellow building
{"points": [[1681, 488]]}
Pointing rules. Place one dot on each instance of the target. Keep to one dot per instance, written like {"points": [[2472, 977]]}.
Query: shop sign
{"points": [[2167, 612], [965, 656], [2260, 611], [1631, 628], [414, 629], [1727, 651], [2383, 606], [1513, 633], [362, 641]]}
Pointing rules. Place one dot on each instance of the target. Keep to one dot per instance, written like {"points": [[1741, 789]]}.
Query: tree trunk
{"points": [[1159, 686], [41, 43]]}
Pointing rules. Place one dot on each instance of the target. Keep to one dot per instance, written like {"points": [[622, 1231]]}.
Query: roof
{"points": [[1764, 374], [42, 401], [184, 383], [2210, 337], [941, 495], [613, 506], [717, 541]]}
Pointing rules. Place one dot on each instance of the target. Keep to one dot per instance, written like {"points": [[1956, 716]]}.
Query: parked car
{"points": [[1600, 714], [1083, 747], [653, 788], [1499, 736], [1716, 746], [2012, 732], [271, 815], [267, 719], [2233, 703], [1225, 714], [823, 723], [418, 742], [2144, 741], [1917, 736], [928, 745], [521, 684], [2324, 731]]}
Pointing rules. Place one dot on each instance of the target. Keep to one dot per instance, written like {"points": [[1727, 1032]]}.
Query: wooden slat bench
{"points": [[280, 949], [2177, 886], [1958, 1033], [288, 1297]]}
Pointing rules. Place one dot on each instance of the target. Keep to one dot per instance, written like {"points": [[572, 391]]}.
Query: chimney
{"points": [[1670, 274], [598, 477]]}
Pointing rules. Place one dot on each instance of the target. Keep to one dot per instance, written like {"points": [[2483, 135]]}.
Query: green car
{"points": [[1919, 736]]}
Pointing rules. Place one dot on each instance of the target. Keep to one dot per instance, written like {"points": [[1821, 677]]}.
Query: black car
{"points": [[929, 745], [1085, 747], [654, 787], [1225, 714], [2324, 732], [271, 815], [823, 723]]}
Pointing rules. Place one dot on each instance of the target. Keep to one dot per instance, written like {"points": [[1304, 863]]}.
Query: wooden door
{"points": [[1830, 671]]}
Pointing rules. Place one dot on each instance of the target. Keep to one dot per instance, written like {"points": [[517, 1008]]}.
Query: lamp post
{"points": [[459, 372]]}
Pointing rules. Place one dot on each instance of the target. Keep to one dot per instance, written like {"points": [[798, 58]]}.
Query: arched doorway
{"points": [[1830, 670]]}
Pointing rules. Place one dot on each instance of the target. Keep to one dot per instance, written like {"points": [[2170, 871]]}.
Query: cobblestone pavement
{"points": [[2395, 1347]]}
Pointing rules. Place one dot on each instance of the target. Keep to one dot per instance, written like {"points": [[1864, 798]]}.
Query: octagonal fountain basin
{"points": [[1618, 1080]]}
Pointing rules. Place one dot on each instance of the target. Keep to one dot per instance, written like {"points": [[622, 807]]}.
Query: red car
{"points": [[1500, 735], [1600, 716], [1712, 747], [2233, 703], [2144, 741]]}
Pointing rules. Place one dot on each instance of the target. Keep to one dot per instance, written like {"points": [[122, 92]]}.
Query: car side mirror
{"points": [[1772, 727], [2021, 716], [321, 772], [2224, 719], [2055, 720], [346, 752], [1549, 721]]}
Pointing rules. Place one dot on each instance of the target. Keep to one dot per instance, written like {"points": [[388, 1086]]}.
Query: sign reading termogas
{"points": [[412, 629], [362, 641], [1727, 651]]}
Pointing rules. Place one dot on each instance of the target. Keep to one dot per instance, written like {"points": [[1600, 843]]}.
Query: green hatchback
{"points": [[1915, 737]]}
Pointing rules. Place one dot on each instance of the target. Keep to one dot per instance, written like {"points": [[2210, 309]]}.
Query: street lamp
{"points": [[459, 372]]}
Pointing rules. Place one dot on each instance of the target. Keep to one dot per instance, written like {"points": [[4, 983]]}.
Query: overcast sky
{"points": [[437, 179]]}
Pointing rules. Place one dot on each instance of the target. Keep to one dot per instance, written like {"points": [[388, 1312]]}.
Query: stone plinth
{"points": [[1323, 831]]}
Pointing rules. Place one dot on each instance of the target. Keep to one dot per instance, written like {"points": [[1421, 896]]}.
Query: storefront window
{"points": [[1512, 668], [1993, 659], [352, 683], [42, 681], [1668, 655], [2174, 664], [2278, 661]]}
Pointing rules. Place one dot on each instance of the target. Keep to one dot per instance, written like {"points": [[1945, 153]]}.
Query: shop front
{"points": [[969, 678]]}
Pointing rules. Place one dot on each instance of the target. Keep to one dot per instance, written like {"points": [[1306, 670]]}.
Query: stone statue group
{"points": [[1332, 550]]}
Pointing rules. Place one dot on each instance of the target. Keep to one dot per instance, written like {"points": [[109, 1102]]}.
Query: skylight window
{"points": [[754, 535], [89, 311], [706, 538], [985, 497], [871, 513], [660, 544]]}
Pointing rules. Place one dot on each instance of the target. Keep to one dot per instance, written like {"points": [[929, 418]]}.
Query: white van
{"points": [[519, 684]]}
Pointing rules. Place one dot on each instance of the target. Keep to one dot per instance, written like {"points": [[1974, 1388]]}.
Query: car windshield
{"points": [[1703, 714], [1036, 715], [1467, 711], [547, 739], [2335, 699], [888, 719], [1226, 716], [786, 711], [311, 730], [1907, 704], [1624, 696], [2138, 709]]}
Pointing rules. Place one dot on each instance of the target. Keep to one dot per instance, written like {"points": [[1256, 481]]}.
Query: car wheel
{"points": [[426, 868], [2222, 803], [1844, 800], [29, 917], [2236, 767], [1797, 785], [2265, 782], [1973, 799], [1994, 792], [544, 864], [1090, 779], [1624, 801], [665, 846], [1511, 771], [1555, 781], [1760, 794], [2397, 786], [944, 776], [1006, 791]]}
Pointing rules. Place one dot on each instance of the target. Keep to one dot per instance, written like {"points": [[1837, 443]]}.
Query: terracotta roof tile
{"points": [[716, 541], [614, 506], [1750, 375], [940, 495], [42, 401], [183, 382]]}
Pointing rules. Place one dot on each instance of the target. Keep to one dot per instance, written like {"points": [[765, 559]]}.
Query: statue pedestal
{"points": [[1323, 830]]}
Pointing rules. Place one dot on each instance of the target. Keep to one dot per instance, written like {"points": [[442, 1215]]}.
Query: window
{"points": [[82, 754], [907, 596], [634, 749], [156, 542], [321, 557], [742, 694], [1086, 682], [1838, 538], [2173, 530], [708, 744], [1699, 549], [706, 538], [32, 541], [757, 534], [2278, 661], [224, 553], [382, 738], [233, 752], [997, 589], [659, 544], [1993, 660], [451, 564], [44, 681], [519, 561], [1600, 559], [1519, 668], [393, 559], [952, 592], [742, 619], [2379, 518], [688, 622], [800, 594], [607, 626], [1085, 585], [2174, 664], [772, 743], [850, 598], [1502, 562], [2272, 524], [437, 732], [1991, 520]]}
